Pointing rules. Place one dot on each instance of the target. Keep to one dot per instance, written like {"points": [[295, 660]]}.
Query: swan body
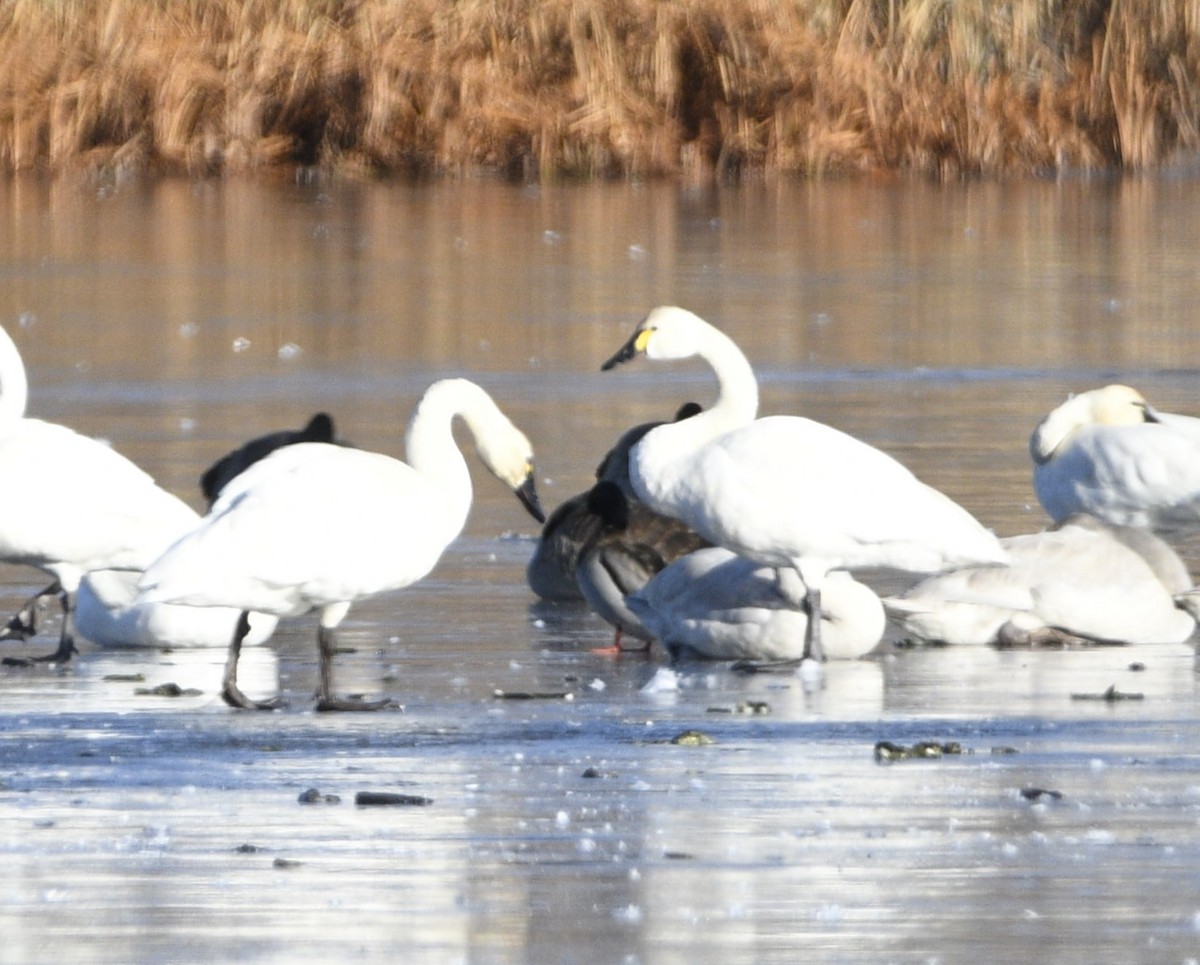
{"points": [[551, 572], [1083, 579], [786, 491], [107, 614], [1108, 453], [716, 605], [318, 429], [318, 526], [624, 546], [70, 504]]}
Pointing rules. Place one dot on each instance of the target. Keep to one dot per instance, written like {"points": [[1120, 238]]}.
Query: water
{"points": [[937, 322]]}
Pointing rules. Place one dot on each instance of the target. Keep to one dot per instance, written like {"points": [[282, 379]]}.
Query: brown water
{"points": [[937, 322]]}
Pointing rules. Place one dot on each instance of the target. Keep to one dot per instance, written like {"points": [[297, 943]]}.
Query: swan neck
{"points": [[430, 447], [14, 385], [737, 401]]}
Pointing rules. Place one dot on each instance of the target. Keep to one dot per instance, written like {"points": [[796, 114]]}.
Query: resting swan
{"points": [[785, 491], [70, 504], [1082, 581], [318, 526], [1109, 453], [107, 613], [720, 606]]}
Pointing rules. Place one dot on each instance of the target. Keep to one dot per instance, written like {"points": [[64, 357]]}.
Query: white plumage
{"points": [[1109, 453], [70, 504], [318, 526], [786, 491], [1084, 579], [720, 606]]}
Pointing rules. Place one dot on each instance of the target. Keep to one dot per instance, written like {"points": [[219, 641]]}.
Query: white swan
{"points": [[318, 429], [1081, 581], [108, 614], [717, 605], [318, 526], [783, 490], [70, 504], [1107, 452], [550, 572], [623, 545]]}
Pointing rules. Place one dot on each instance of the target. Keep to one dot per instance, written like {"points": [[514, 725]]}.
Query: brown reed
{"points": [[599, 88]]}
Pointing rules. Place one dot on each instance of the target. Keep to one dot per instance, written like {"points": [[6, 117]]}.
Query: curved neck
{"points": [[737, 400], [429, 442], [14, 386]]}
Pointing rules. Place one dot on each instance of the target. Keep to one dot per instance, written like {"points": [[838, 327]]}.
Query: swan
{"points": [[717, 605], [624, 544], [1082, 581], [785, 491], [550, 572], [107, 614], [1109, 453], [70, 504], [316, 526], [318, 429]]}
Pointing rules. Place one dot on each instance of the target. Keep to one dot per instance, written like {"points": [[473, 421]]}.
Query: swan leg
{"points": [[66, 639], [326, 641], [813, 648], [230, 692], [23, 623]]}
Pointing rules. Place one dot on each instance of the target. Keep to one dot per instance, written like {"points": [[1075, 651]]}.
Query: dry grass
{"points": [[610, 88]]}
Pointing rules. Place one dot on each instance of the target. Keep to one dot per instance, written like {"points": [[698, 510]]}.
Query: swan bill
{"points": [[630, 350], [527, 494]]}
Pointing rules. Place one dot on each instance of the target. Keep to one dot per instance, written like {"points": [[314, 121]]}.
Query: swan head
{"points": [[668, 332], [508, 456], [1113, 405]]}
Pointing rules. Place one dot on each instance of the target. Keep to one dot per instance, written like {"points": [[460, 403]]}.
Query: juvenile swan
{"points": [[1109, 453], [720, 606], [783, 490], [70, 504], [318, 526], [1083, 580]]}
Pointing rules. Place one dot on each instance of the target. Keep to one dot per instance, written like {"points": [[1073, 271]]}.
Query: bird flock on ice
{"points": [[718, 534]]}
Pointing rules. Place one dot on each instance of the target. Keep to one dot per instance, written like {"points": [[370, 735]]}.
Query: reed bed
{"points": [[599, 88]]}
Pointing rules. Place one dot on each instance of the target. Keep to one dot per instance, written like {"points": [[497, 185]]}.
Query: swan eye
{"points": [[643, 339]]}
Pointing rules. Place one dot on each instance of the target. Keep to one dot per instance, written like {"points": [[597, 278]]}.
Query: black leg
{"points": [[326, 643], [23, 623], [813, 649], [230, 692]]}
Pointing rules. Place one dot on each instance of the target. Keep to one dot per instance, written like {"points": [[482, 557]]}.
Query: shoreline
{"points": [[630, 89]]}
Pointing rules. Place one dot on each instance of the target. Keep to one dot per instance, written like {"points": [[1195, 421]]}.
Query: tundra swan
{"points": [[70, 504], [720, 606], [107, 614], [1082, 581], [551, 569], [784, 490], [1109, 453], [318, 526]]}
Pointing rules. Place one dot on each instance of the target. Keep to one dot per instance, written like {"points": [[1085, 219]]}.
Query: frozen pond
{"points": [[938, 323]]}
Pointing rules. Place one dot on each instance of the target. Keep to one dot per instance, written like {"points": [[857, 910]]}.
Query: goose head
{"points": [[668, 332], [1113, 405]]}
